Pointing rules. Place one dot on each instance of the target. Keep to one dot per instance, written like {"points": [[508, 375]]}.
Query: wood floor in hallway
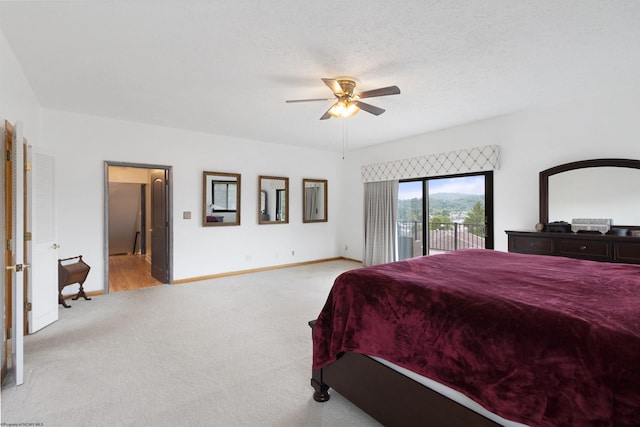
{"points": [[128, 272]]}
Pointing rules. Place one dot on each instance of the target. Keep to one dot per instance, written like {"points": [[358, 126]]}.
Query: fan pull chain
{"points": [[344, 136]]}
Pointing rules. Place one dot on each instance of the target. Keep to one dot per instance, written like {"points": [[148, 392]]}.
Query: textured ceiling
{"points": [[226, 67]]}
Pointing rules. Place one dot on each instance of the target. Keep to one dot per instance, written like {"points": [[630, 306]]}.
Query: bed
{"points": [[531, 339]]}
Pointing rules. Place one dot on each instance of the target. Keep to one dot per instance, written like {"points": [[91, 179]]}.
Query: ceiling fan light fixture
{"points": [[343, 109], [348, 103]]}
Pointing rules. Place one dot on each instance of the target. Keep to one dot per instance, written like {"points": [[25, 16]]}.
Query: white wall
{"points": [[82, 143], [530, 141], [124, 217], [17, 100]]}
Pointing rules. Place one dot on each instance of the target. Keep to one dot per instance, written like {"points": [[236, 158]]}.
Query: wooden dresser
{"points": [[596, 247]]}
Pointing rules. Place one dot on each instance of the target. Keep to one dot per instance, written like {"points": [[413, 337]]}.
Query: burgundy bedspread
{"points": [[547, 341]]}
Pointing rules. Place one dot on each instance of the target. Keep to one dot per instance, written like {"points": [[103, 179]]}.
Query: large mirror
{"points": [[314, 200], [220, 199], [273, 200], [599, 188]]}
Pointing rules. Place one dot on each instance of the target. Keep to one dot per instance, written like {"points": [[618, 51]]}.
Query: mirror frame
{"points": [[205, 191], [304, 199], [287, 197], [594, 163]]}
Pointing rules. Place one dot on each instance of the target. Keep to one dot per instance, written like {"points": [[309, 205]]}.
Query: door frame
{"points": [[169, 197], [14, 214]]}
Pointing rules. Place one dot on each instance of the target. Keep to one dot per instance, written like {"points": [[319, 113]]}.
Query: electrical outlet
{"points": [[186, 215], [346, 248], [293, 253]]}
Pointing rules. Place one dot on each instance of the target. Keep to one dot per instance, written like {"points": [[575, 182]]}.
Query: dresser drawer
{"points": [[595, 247], [531, 245], [628, 252], [599, 250]]}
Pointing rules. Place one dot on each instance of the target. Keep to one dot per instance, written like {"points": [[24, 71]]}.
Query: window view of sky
{"points": [[464, 185], [410, 190]]}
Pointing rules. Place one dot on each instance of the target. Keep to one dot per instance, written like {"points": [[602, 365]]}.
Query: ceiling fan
{"points": [[348, 100]]}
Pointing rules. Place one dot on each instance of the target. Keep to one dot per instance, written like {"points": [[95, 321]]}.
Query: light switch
{"points": [[186, 215]]}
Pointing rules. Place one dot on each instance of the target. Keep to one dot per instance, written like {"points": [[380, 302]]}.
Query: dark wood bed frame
{"points": [[388, 396]]}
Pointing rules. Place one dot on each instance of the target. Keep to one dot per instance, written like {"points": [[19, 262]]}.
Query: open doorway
{"points": [[137, 226]]}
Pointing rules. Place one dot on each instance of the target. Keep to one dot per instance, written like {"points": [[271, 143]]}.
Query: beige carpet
{"points": [[234, 351]]}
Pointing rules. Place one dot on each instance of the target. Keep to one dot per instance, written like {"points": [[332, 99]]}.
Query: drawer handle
{"points": [[583, 247]]}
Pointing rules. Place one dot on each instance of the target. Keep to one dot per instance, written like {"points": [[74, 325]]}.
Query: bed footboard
{"points": [[388, 396]]}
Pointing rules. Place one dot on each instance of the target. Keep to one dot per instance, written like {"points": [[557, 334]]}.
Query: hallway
{"points": [[128, 272]]}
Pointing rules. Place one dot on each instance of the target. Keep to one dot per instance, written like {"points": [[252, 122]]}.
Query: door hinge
{"points": [[9, 244], [27, 236], [27, 166], [8, 155], [27, 306], [8, 333]]}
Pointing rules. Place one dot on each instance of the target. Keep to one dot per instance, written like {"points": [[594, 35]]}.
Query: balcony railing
{"points": [[443, 236]]}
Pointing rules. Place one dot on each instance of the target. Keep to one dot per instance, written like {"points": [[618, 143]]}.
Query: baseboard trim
{"points": [[93, 293], [257, 270], [234, 273]]}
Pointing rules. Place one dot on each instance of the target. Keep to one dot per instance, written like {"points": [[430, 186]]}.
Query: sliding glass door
{"points": [[442, 214], [411, 208]]}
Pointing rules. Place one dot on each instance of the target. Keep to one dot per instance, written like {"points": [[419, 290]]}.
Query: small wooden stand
{"points": [[69, 274]]}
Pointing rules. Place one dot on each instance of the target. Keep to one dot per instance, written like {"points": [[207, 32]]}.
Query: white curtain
{"points": [[380, 222]]}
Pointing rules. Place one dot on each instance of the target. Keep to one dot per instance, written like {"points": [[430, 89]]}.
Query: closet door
{"points": [[42, 289], [5, 283]]}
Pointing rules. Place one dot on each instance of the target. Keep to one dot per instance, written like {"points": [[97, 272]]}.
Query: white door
{"points": [[5, 282], [42, 286], [17, 263]]}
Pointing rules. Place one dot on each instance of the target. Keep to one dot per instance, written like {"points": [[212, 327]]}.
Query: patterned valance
{"points": [[475, 159]]}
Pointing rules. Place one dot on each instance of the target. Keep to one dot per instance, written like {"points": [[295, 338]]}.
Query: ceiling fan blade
{"points": [[369, 108], [326, 115], [309, 100], [383, 91], [334, 86]]}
